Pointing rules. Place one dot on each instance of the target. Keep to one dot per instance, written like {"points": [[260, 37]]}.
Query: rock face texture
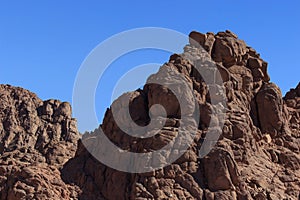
{"points": [[255, 157], [37, 139]]}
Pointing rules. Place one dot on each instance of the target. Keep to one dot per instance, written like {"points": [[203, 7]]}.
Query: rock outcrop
{"points": [[255, 157], [37, 139], [292, 100]]}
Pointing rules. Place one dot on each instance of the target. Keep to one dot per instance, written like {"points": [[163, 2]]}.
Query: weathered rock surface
{"points": [[37, 139], [292, 100], [256, 157]]}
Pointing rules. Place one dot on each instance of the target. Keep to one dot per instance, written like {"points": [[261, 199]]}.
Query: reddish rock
{"points": [[247, 159], [269, 100], [256, 156], [37, 139]]}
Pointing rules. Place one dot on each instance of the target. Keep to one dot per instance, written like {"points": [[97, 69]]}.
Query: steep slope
{"points": [[256, 157]]}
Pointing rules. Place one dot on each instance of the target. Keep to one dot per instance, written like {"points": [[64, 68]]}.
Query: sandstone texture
{"points": [[256, 156]]}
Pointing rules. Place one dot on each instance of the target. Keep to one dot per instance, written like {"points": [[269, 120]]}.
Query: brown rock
{"points": [[255, 157], [220, 170], [34, 146], [257, 119], [269, 100], [197, 38]]}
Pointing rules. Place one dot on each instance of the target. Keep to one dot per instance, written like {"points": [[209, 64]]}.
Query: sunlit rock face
{"points": [[255, 157], [37, 139]]}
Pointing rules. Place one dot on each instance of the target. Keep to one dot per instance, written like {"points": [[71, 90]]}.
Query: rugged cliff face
{"points": [[256, 157]]}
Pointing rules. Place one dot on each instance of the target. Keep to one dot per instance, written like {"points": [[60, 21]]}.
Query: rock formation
{"points": [[37, 139], [256, 156]]}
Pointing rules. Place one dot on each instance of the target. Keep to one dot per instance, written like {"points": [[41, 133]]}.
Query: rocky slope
{"points": [[256, 157]]}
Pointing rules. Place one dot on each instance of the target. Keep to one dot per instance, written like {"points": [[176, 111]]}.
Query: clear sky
{"points": [[43, 43]]}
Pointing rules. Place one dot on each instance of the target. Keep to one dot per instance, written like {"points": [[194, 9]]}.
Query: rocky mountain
{"points": [[255, 157]]}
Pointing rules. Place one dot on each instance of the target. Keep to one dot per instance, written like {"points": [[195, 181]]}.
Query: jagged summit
{"points": [[256, 156]]}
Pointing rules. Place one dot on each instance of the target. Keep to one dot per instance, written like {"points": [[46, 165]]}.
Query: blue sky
{"points": [[43, 43]]}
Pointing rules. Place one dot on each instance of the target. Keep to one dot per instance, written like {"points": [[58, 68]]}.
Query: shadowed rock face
{"points": [[256, 157]]}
